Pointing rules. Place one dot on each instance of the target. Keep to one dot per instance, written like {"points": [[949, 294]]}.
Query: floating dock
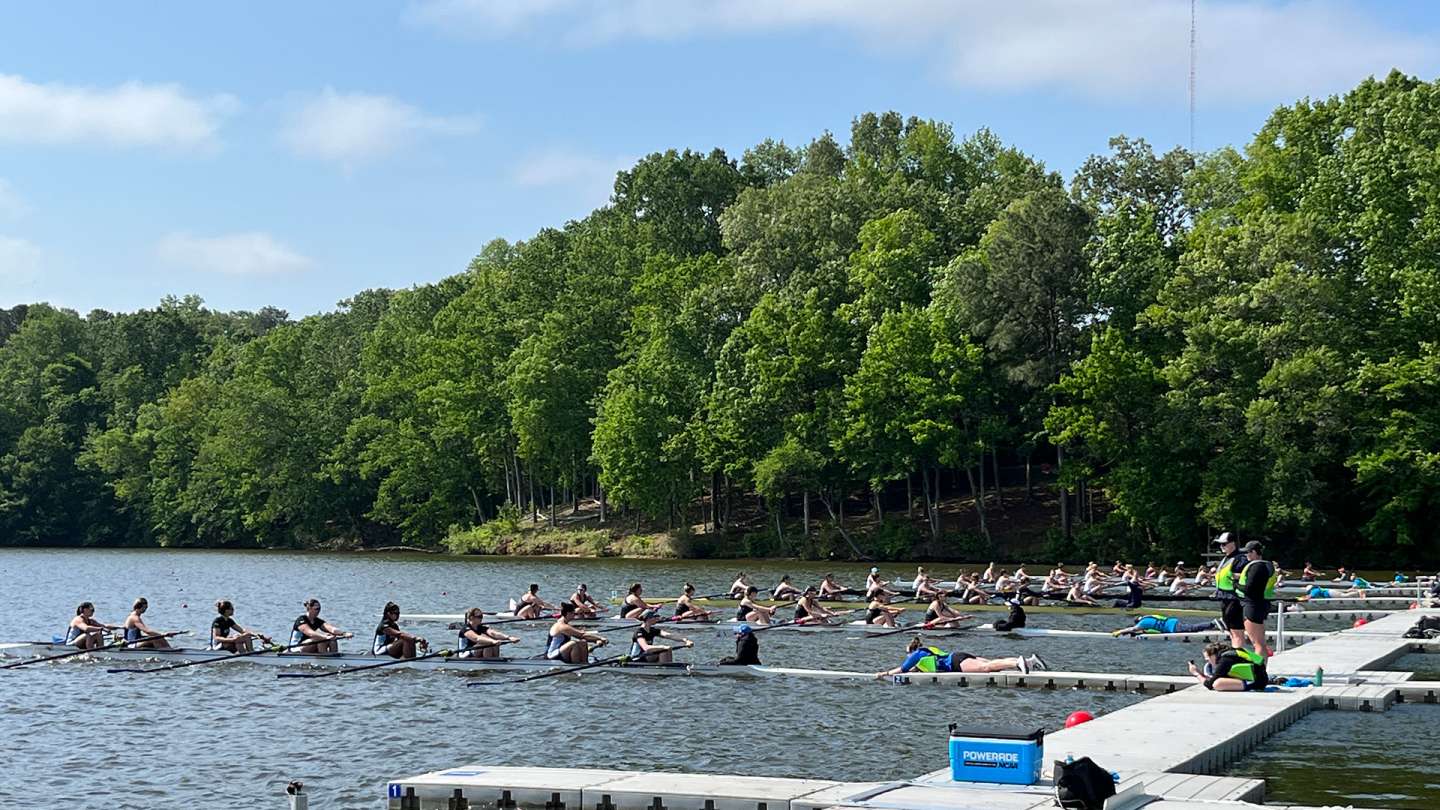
{"points": [[1168, 749]]}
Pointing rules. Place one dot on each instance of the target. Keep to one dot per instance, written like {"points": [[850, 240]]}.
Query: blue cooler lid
{"points": [[996, 733]]}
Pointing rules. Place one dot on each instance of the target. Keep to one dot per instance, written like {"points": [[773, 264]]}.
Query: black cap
{"points": [[1253, 545]]}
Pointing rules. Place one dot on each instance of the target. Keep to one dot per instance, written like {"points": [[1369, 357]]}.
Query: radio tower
{"points": [[1192, 75]]}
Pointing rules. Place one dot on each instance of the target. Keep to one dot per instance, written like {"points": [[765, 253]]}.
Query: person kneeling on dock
{"points": [[642, 643], [478, 641], [747, 649], [933, 659], [1156, 624], [1231, 670]]}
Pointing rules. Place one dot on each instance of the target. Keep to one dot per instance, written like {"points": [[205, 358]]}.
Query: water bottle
{"points": [[1319, 676], [1115, 775], [1070, 759]]}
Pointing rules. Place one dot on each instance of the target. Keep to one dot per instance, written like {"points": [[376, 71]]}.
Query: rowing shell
{"points": [[1144, 610]]}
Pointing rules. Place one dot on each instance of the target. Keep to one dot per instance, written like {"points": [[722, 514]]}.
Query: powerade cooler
{"points": [[984, 754]]}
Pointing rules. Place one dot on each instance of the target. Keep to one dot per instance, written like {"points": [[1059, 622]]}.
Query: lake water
{"points": [[231, 736]]}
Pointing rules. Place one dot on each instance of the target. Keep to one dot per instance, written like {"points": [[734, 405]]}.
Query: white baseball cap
{"points": [[1224, 538]]}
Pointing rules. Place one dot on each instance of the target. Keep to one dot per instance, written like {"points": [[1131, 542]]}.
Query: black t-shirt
{"points": [[221, 627], [647, 633], [384, 625], [1257, 574], [317, 624]]}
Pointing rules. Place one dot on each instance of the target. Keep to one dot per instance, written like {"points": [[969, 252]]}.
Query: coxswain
{"points": [[226, 634], [1257, 590], [585, 605], [879, 612], [747, 649], [1135, 589], [531, 606], [1014, 620], [569, 643], [642, 642], [784, 590], [830, 589], [921, 658], [739, 586], [1158, 624], [476, 640], [685, 608], [391, 640], [750, 611], [84, 631], [136, 629], [634, 603], [940, 614], [312, 634], [1230, 670], [809, 609]]}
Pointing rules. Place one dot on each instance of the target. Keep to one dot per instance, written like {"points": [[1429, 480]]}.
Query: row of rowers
{"points": [[312, 633]]}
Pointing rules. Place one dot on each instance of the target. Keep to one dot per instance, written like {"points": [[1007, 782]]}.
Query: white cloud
{"points": [[251, 253], [11, 204], [127, 115], [19, 261], [353, 127], [1249, 50], [590, 178]]}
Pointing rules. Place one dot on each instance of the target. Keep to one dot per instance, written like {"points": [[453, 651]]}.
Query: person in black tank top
{"points": [[391, 640], [642, 643]]}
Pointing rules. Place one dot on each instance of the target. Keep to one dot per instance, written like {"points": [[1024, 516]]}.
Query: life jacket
{"points": [[931, 662], [1269, 584], [1225, 575]]}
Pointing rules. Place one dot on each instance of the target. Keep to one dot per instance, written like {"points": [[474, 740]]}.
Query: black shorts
{"points": [[1256, 612], [1232, 615]]}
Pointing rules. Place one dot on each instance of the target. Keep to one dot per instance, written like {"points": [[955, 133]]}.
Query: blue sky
{"points": [[292, 154]]}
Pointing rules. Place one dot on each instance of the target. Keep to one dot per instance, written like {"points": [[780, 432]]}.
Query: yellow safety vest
{"points": [[1269, 585]]}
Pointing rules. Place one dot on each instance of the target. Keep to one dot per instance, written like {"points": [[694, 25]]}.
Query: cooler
{"points": [[983, 754]]}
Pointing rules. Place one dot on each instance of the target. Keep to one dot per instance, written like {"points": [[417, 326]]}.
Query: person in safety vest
{"points": [[1256, 584], [923, 658], [1231, 670], [1226, 572], [1158, 624]]}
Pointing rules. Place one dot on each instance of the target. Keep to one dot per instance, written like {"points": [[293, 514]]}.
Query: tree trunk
{"points": [[995, 467], [805, 499], [1064, 496], [505, 462], [984, 493], [1029, 488], [979, 505], [779, 535], [875, 503], [534, 505], [552, 506], [840, 524], [715, 499], [602, 501], [930, 508], [938, 525], [909, 496], [475, 499]]}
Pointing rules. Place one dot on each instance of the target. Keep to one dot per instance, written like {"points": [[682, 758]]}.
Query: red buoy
{"points": [[1360, 622], [1076, 718]]}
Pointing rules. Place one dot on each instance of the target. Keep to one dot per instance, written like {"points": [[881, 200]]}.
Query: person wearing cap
{"points": [[809, 609], [1257, 590], [585, 605], [747, 649], [642, 644], [1231, 614], [874, 583]]}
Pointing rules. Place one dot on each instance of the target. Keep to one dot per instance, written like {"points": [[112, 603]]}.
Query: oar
{"points": [[914, 628], [121, 643], [265, 649], [666, 620], [363, 667], [619, 659]]}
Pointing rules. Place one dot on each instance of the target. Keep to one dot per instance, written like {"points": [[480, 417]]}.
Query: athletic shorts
{"points": [[1232, 615], [1256, 612]]}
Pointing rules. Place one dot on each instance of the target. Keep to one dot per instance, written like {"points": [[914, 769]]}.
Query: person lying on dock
{"points": [[478, 641], [85, 631], [879, 612], [1231, 670], [391, 640], [922, 658], [1317, 592], [642, 643], [785, 590], [1157, 624], [747, 649]]}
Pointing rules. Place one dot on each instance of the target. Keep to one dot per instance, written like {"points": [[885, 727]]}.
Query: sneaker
{"points": [[1024, 664], [1036, 663]]}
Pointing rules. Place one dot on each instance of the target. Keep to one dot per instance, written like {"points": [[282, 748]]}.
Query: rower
{"points": [[784, 590], [921, 658], [1232, 616], [747, 649], [1257, 589], [585, 605], [1231, 670], [739, 586], [531, 605], [990, 575], [569, 643], [224, 625], [84, 631], [1055, 584], [312, 634], [634, 603], [879, 612], [940, 614], [642, 643], [391, 640], [478, 641], [1342, 574], [1005, 587], [1076, 597], [136, 629], [1309, 574], [1158, 624], [830, 589], [685, 608], [970, 591], [750, 611], [874, 583], [808, 607]]}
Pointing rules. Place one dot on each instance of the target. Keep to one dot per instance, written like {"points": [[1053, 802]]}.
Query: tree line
{"points": [[1243, 339]]}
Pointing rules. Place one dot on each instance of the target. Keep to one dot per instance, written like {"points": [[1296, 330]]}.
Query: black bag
{"points": [[1425, 628], [1082, 785]]}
